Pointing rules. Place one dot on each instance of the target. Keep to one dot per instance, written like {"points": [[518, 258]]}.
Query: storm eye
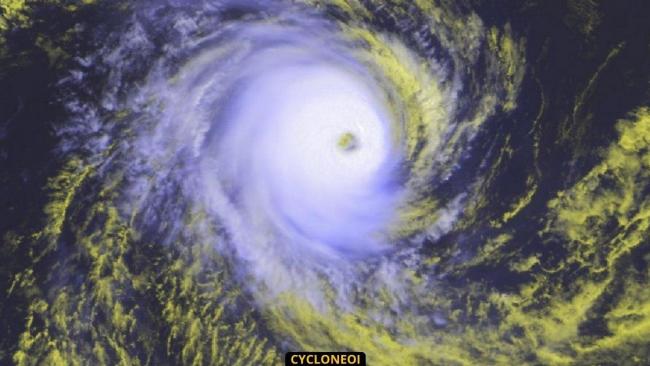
{"points": [[347, 142]]}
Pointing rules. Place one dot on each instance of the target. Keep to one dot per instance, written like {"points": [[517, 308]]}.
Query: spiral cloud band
{"points": [[301, 143], [304, 138], [296, 155]]}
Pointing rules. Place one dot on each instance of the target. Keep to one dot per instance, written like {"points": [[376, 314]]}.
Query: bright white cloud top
{"points": [[282, 148]]}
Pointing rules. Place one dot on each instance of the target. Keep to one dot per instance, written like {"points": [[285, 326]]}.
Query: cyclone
{"points": [[226, 181], [305, 138]]}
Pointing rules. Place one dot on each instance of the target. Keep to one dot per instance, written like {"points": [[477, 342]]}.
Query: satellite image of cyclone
{"points": [[414, 182]]}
